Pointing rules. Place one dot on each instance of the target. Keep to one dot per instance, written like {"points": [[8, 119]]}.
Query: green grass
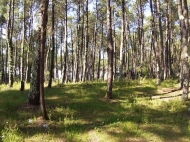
{"points": [[79, 113]]}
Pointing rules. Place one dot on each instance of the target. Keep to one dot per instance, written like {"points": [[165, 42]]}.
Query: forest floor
{"points": [[140, 111]]}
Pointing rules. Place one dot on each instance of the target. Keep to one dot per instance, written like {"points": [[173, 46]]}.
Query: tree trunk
{"points": [[22, 83], [34, 94], [30, 43], [161, 44], [1, 59], [166, 65], [86, 45], [79, 42], [114, 49], [43, 19], [51, 75], [9, 40], [110, 52], [65, 46], [155, 46], [95, 43], [72, 58], [61, 53], [122, 40], [183, 16]]}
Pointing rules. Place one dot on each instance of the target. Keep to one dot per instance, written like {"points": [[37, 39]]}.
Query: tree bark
{"points": [[85, 63], [43, 19], [184, 19], [10, 23], [110, 52], [64, 79], [22, 83], [155, 46], [51, 75], [161, 44], [122, 40]]}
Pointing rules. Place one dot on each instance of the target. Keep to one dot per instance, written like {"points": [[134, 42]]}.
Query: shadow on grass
{"points": [[80, 109]]}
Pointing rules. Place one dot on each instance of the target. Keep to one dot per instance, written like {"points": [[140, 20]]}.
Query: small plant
{"points": [[188, 128], [11, 133], [131, 99], [145, 119], [172, 105]]}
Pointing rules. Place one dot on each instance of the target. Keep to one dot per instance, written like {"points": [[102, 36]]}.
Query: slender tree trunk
{"points": [[22, 85], [51, 75], [110, 52], [9, 40], [65, 46], [155, 45], [79, 44], [122, 40], [128, 49], [95, 43], [101, 49], [161, 44], [56, 59], [30, 43], [114, 47], [166, 65], [61, 53], [15, 58], [1, 59], [82, 44], [85, 63], [103, 64], [180, 13], [6, 65], [72, 58]]}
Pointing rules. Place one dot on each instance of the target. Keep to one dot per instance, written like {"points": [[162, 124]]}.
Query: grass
{"points": [[79, 113]]}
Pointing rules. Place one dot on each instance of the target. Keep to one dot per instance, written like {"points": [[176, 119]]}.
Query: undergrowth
{"points": [[79, 112]]}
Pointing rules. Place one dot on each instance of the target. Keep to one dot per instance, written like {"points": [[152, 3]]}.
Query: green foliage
{"points": [[188, 128], [168, 83], [171, 106], [11, 133]]}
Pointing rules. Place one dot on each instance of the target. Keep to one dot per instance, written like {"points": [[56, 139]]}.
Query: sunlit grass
{"points": [[80, 113]]}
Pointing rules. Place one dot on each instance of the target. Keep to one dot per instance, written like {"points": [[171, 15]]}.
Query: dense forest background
{"points": [[143, 38]]}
